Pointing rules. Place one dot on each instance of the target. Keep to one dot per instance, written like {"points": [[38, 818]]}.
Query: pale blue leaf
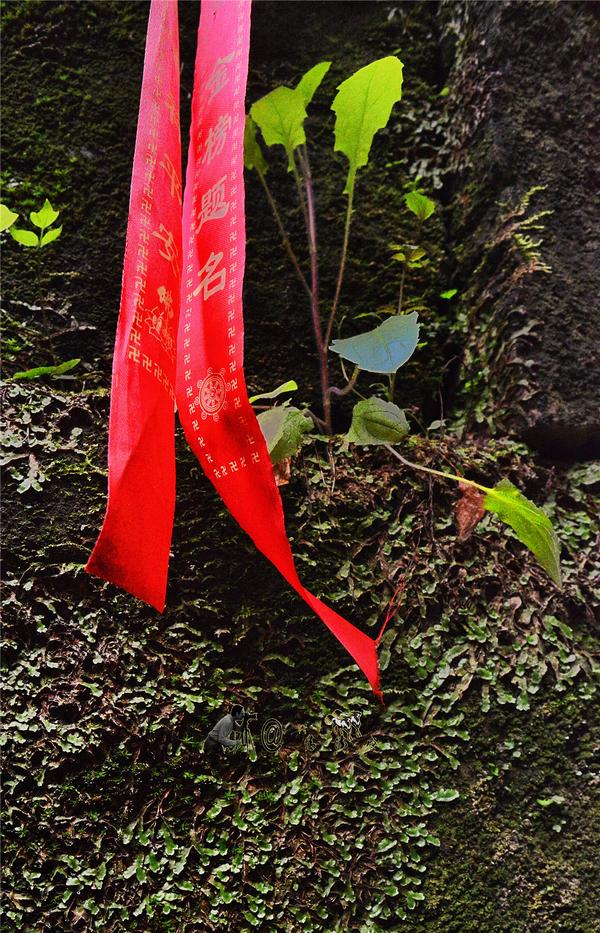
{"points": [[384, 349]]}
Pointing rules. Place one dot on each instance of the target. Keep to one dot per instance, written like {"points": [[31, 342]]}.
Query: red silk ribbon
{"points": [[133, 547], [211, 395]]}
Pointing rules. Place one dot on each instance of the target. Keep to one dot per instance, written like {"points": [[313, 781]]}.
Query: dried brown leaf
{"points": [[283, 471], [468, 510]]}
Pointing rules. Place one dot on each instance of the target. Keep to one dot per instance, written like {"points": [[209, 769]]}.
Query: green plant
{"points": [[43, 220], [530, 524], [38, 371], [519, 227], [363, 106]]}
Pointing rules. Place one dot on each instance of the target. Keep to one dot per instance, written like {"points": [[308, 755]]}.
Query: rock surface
{"points": [[524, 113]]}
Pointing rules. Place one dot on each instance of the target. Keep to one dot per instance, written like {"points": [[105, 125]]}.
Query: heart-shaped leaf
{"points": [[362, 106], [280, 115], [375, 421], [7, 218], [309, 82], [421, 206], [283, 428], [45, 217], [532, 526], [384, 349]]}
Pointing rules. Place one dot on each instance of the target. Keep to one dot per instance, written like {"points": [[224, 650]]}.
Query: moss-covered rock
{"points": [[114, 820], [523, 226]]}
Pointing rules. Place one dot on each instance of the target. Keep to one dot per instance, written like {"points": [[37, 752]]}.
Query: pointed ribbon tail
{"points": [[362, 648]]}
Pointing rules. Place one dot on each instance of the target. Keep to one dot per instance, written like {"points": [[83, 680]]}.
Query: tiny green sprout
{"points": [[420, 205], [444, 92], [437, 424], [43, 219], [409, 254], [449, 293], [556, 799]]}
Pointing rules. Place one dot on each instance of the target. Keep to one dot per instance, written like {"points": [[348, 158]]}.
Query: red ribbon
{"points": [[133, 548], [212, 400]]}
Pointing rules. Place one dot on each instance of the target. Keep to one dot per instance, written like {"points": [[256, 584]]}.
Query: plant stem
{"points": [[453, 476], [38, 285], [319, 423], [349, 386], [314, 302], [338, 288], [311, 230], [401, 295], [300, 193], [284, 237], [392, 387]]}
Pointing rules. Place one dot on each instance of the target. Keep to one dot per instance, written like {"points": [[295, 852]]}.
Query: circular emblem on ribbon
{"points": [[211, 394]]}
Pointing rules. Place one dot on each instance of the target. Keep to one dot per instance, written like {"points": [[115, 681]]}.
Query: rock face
{"points": [[523, 92]]}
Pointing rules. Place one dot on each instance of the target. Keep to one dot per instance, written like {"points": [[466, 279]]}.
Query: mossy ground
{"points": [[113, 820]]}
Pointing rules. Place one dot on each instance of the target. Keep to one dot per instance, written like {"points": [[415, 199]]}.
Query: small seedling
{"points": [[43, 219]]}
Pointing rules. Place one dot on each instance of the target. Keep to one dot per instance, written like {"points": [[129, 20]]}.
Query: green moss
{"points": [[166, 678], [531, 865]]}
